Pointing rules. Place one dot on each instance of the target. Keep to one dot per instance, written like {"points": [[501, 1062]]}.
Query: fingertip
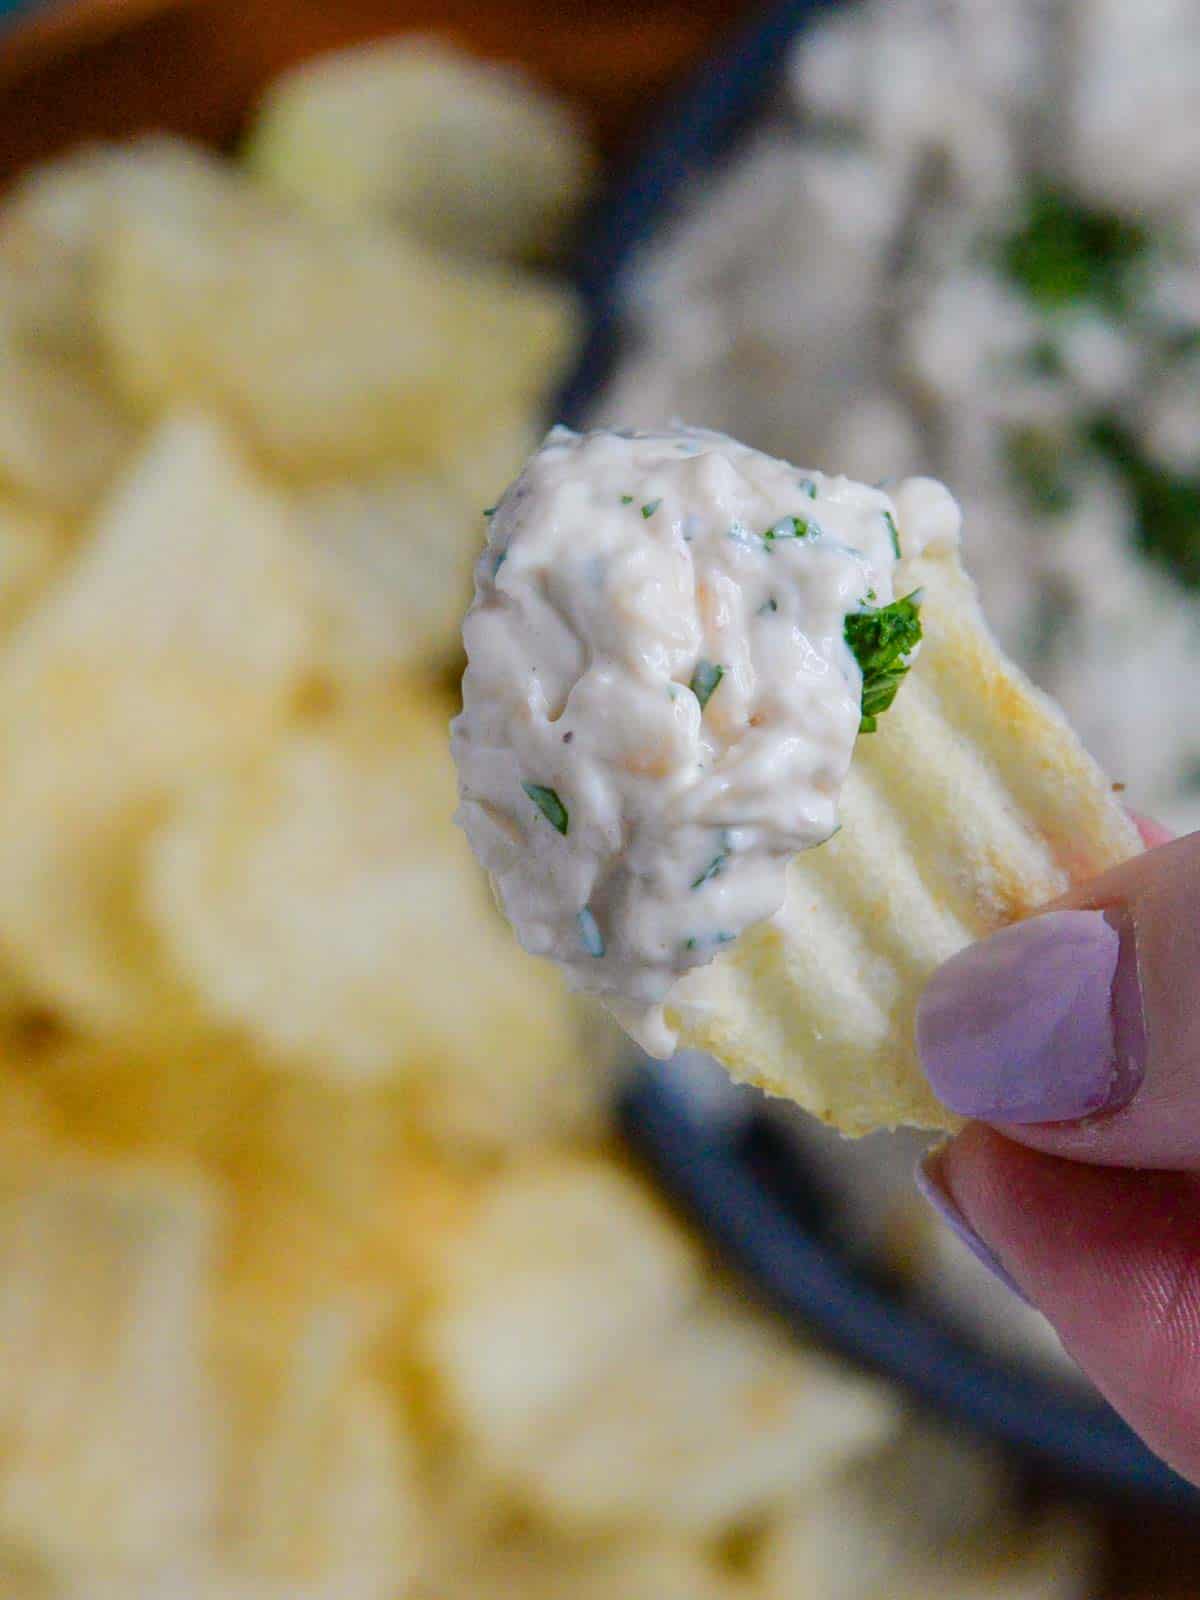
{"points": [[1153, 833]]}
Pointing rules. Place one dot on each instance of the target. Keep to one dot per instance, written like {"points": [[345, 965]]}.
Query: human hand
{"points": [[1074, 1040]]}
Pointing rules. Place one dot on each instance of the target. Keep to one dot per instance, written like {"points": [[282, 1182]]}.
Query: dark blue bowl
{"points": [[743, 1183]]}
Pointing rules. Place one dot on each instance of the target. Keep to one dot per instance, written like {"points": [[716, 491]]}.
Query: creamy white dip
{"points": [[660, 704]]}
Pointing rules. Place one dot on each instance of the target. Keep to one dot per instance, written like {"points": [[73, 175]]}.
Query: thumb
{"points": [[1077, 1031]]}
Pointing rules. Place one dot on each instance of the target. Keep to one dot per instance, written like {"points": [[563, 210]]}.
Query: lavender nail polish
{"points": [[931, 1187], [1041, 1022]]}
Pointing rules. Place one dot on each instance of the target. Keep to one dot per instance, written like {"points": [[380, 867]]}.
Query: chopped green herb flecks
{"points": [[708, 941], [1035, 459], [1183, 344], [713, 870], [768, 606], [893, 533], [589, 932], [883, 641], [1045, 359], [498, 561], [489, 511], [788, 528], [626, 499], [548, 803], [705, 680], [808, 486], [649, 510], [1065, 253], [1167, 504]]}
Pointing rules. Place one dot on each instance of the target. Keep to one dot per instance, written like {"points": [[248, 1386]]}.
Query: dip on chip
{"points": [[682, 662]]}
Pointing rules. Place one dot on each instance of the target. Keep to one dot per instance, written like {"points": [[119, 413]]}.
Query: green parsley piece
{"points": [[1065, 253], [788, 528], [548, 803], [626, 499], [649, 510], [489, 511], [893, 533], [1183, 344], [883, 641], [1045, 359], [713, 870], [769, 605], [589, 932], [705, 680], [1035, 459], [1166, 503]]}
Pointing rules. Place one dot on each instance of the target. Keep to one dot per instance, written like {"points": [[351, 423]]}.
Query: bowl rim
{"points": [[709, 1168]]}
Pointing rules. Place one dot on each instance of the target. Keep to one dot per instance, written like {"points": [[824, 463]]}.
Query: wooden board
{"points": [[103, 68]]}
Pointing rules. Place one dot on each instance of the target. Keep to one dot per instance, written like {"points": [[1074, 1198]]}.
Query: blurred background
{"points": [[324, 1270]]}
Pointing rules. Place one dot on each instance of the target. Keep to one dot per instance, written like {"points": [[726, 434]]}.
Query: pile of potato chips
{"points": [[320, 1275]]}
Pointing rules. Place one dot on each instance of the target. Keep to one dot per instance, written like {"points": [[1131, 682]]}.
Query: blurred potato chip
{"points": [[173, 644], [497, 454], [106, 1412], [61, 436], [28, 1134], [32, 546], [705, 1426], [56, 215], [545, 1568], [472, 157], [394, 556], [333, 350], [320, 1484], [972, 805], [195, 1099], [842, 1545], [321, 898], [63, 433], [567, 1266]]}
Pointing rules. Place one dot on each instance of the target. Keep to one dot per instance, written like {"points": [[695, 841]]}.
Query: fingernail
{"points": [[1041, 1022], [932, 1187]]}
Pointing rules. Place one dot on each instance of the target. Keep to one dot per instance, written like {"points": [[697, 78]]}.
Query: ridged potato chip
{"points": [[972, 805], [473, 157], [173, 644], [334, 350]]}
